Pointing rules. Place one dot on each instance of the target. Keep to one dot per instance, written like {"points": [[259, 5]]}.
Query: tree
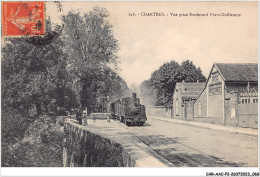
{"points": [[73, 70], [164, 79], [92, 48], [30, 74], [190, 73], [32, 77]]}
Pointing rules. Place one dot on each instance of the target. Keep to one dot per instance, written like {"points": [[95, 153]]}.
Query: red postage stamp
{"points": [[23, 18]]}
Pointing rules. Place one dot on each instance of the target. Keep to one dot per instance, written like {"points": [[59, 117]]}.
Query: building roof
{"points": [[190, 86], [189, 90], [238, 72]]}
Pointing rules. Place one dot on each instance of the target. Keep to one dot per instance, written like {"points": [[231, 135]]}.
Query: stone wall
{"points": [[106, 144], [157, 111], [85, 149], [231, 109], [234, 107]]}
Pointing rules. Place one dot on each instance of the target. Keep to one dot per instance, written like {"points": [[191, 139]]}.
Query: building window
{"points": [[256, 100], [253, 100], [245, 101], [248, 100], [242, 101], [177, 107], [199, 109]]}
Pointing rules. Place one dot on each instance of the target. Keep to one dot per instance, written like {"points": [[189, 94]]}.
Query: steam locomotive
{"points": [[129, 110]]}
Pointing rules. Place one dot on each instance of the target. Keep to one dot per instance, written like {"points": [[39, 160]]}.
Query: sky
{"points": [[146, 42]]}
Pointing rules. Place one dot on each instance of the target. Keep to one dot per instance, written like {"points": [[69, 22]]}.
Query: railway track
{"points": [[174, 151]]}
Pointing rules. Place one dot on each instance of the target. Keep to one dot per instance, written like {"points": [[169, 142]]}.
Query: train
{"points": [[129, 110]]}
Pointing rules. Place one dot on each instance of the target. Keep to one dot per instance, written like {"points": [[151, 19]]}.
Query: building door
{"points": [[177, 107], [184, 111], [227, 118], [189, 110], [248, 115]]}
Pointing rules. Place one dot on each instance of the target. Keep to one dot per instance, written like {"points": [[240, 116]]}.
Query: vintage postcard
{"points": [[130, 84]]}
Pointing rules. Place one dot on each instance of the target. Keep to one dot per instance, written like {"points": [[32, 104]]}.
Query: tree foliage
{"points": [[73, 71], [92, 48], [41, 146], [160, 87]]}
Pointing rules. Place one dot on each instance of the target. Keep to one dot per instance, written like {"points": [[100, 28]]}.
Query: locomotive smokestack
{"points": [[134, 95]]}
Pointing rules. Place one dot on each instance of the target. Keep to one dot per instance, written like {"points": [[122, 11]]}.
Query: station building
{"points": [[230, 96], [184, 97]]}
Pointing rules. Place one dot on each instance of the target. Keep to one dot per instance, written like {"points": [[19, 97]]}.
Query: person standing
{"points": [[78, 116], [85, 113]]}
